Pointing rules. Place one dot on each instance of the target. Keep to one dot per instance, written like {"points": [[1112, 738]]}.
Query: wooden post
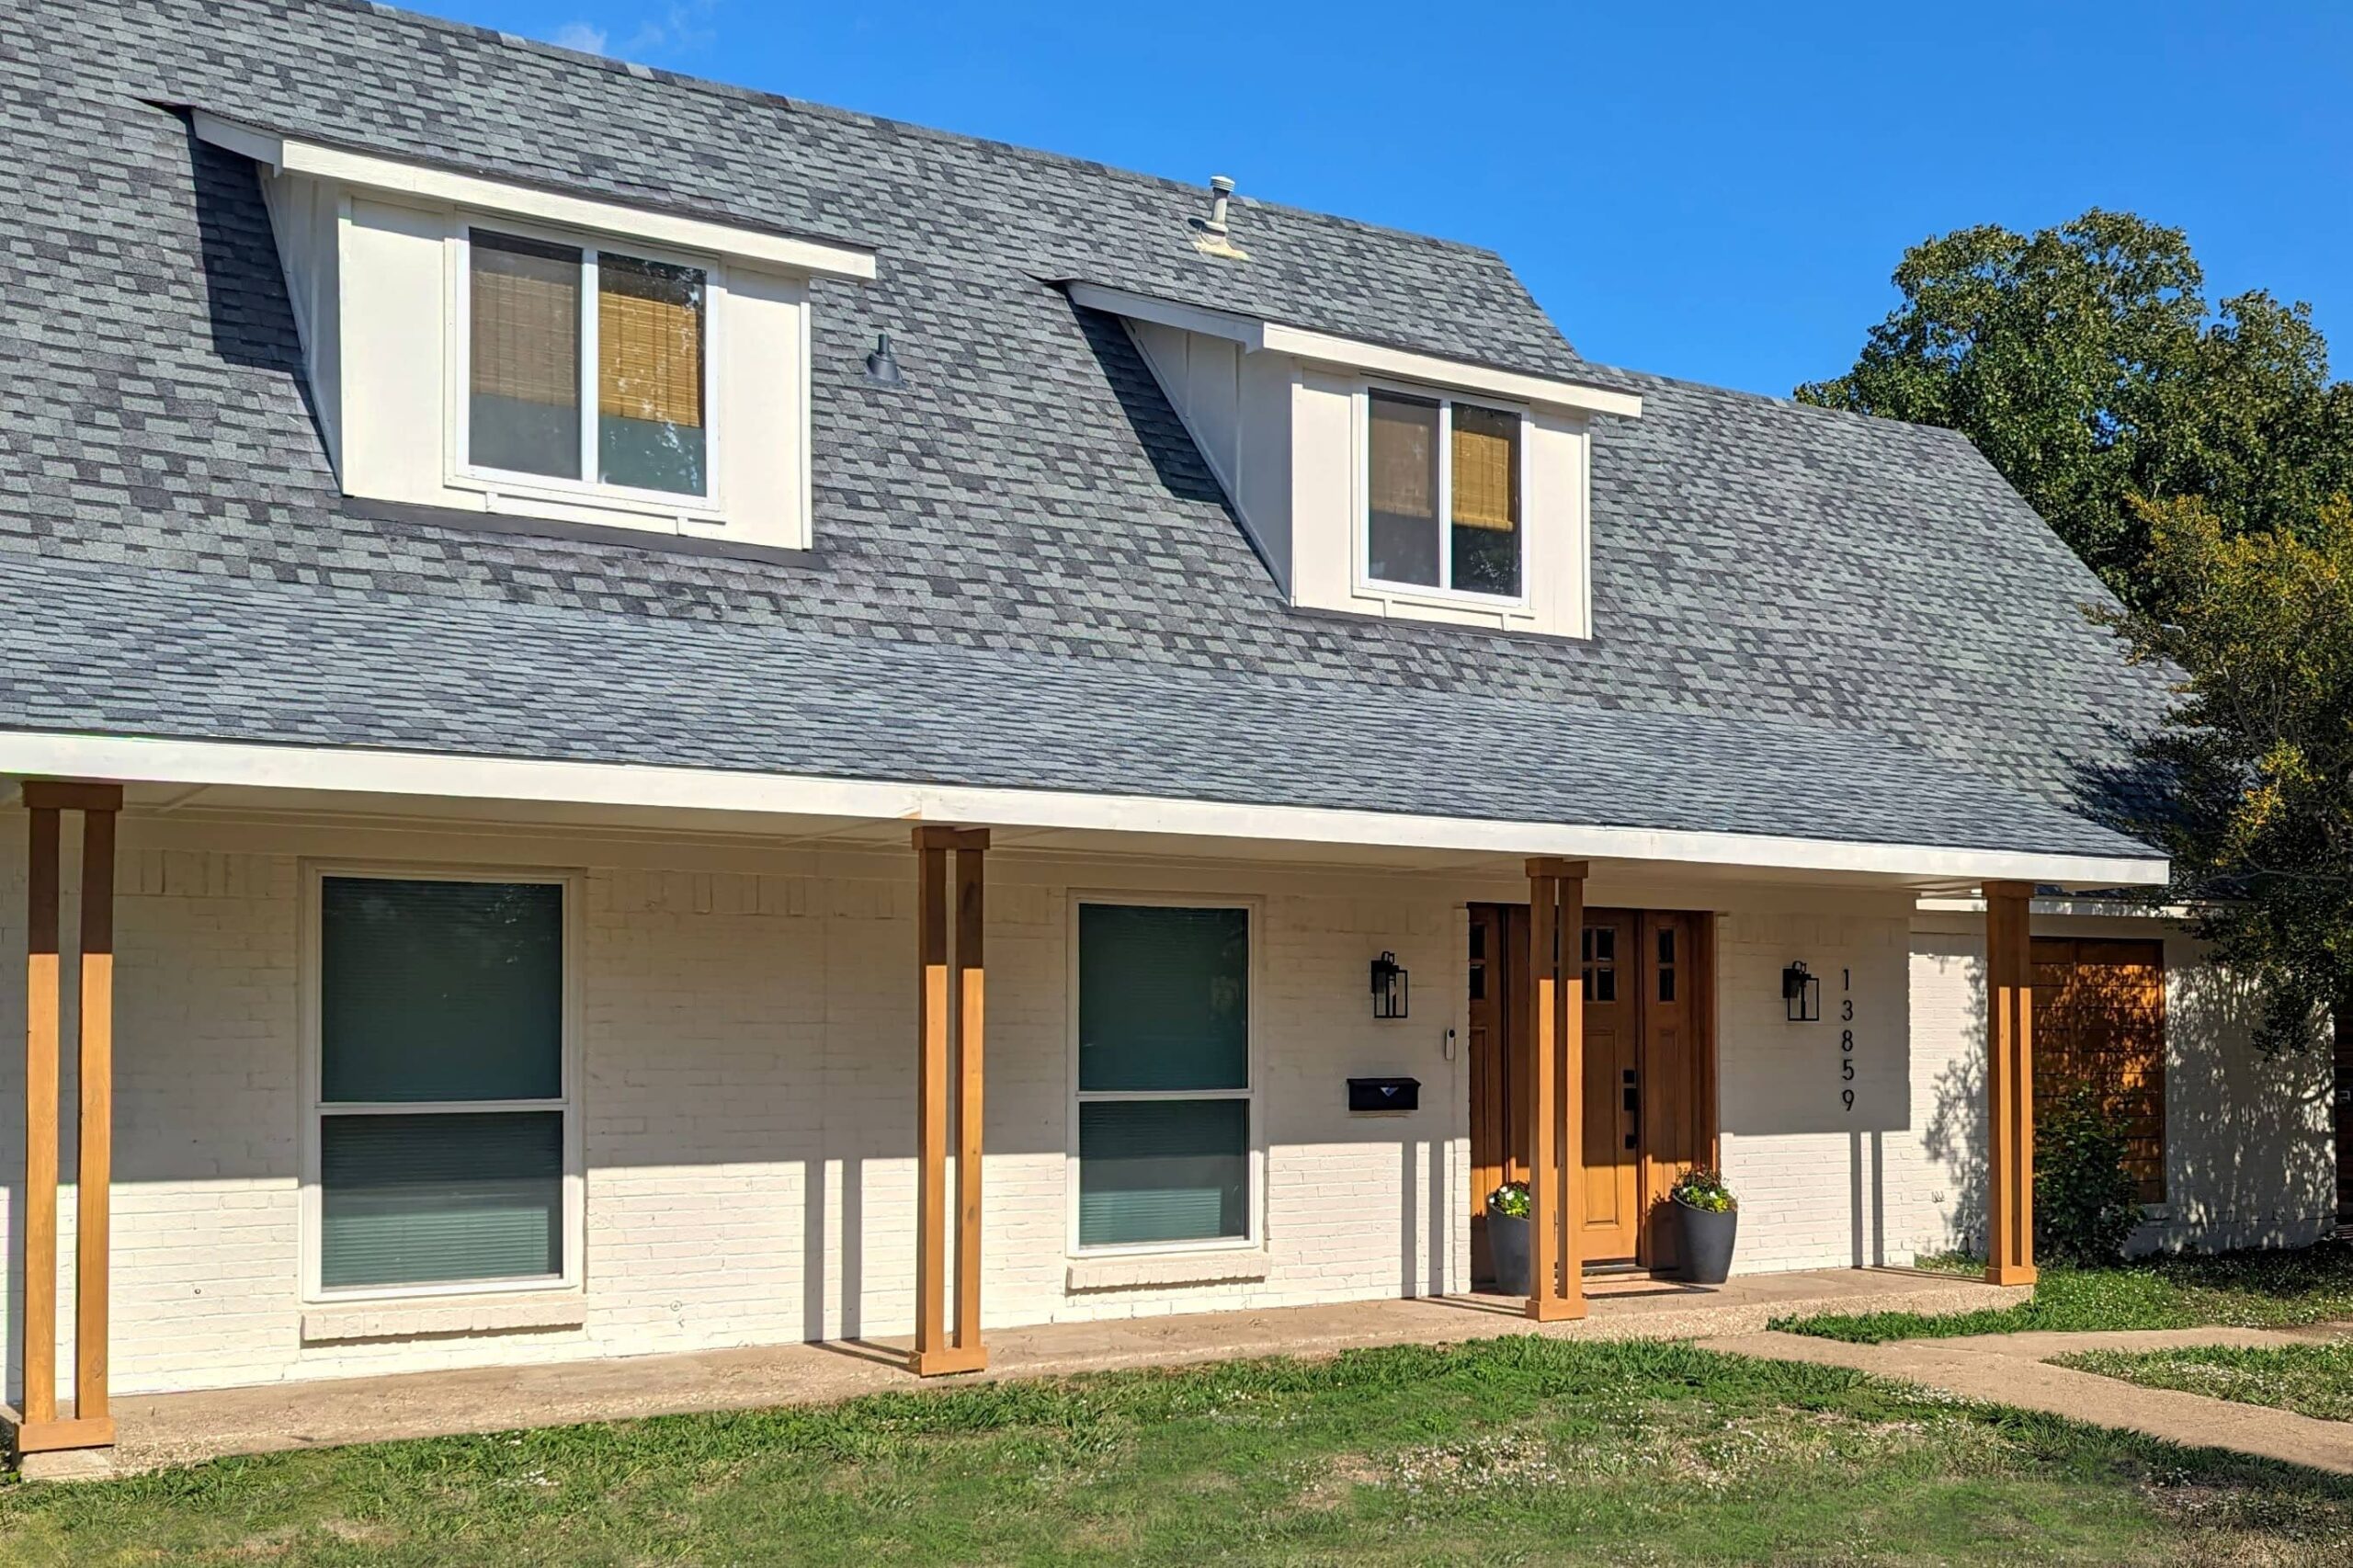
{"points": [[41, 1119], [1556, 1037], [90, 1426], [968, 977], [949, 1029], [2009, 1083]]}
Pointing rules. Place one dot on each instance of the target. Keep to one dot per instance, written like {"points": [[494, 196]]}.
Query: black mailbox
{"points": [[1384, 1093]]}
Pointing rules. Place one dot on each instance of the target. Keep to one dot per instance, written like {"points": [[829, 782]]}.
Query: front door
{"points": [[1613, 1086], [1645, 1081]]}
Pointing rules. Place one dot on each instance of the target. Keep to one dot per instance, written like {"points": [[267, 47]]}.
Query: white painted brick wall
{"points": [[748, 1103], [2250, 1157], [747, 1100]]}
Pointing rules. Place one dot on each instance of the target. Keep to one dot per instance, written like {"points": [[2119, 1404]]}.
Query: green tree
{"points": [[2257, 750], [2085, 363]]}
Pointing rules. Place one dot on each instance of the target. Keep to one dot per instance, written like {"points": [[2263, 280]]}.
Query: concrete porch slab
{"points": [[185, 1428]]}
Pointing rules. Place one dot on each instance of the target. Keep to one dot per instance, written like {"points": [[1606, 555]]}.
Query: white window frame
{"points": [[315, 1110], [1253, 1206], [465, 473], [1446, 593]]}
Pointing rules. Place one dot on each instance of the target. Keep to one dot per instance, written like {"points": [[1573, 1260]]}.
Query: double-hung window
{"points": [[1166, 1087], [585, 366], [1442, 495], [443, 1107]]}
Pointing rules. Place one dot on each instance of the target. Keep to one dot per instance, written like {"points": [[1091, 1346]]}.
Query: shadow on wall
{"points": [[2248, 1158]]}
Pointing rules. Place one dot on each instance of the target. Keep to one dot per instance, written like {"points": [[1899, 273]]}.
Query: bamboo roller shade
{"points": [[1404, 466], [1485, 473], [649, 342], [526, 326], [1404, 478]]}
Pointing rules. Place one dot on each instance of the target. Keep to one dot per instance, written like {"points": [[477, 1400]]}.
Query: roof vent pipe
{"points": [[1220, 187]]}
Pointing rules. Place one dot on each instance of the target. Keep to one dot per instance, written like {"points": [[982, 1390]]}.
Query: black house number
{"points": [[1847, 1038]]}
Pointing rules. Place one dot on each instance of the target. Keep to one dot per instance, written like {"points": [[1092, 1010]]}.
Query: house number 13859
{"points": [[1847, 1038]]}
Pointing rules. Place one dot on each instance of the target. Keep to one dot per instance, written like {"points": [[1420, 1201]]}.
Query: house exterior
{"points": [[652, 718]]}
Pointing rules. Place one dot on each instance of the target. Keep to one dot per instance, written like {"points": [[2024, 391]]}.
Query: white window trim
{"points": [[1445, 593], [1254, 1208], [571, 1278], [706, 508]]}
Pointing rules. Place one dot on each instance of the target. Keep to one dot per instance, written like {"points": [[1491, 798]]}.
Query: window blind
{"points": [[1163, 1171], [440, 990], [1485, 474], [1163, 998], [1402, 505], [650, 374], [524, 354], [434, 1196]]}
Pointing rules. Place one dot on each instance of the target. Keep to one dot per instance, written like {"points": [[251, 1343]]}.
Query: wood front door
{"points": [[1649, 1081], [1613, 1086]]}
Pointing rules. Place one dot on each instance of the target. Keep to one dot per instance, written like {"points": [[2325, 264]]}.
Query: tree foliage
{"points": [[2085, 364], [2258, 748]]}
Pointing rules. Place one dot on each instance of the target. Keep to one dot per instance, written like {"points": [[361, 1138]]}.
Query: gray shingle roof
{"points": [[1807, 622]]}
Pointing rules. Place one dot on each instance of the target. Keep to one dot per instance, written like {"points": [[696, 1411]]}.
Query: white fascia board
{"points": [[1352, 354], [369, 172], [138, 760]]}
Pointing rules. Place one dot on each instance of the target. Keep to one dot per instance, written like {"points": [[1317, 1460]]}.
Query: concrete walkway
{"points": [[183, 1428], [2011, 1369]]}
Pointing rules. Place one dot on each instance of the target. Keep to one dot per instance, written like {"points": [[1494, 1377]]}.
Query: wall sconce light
{"points": [[1803, 992], [1389, 982]]}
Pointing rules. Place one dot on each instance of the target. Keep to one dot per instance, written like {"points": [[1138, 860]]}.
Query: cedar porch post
{"points": [[90, 1426], [2009, 1083], [1556, 1037], [950, 995]]}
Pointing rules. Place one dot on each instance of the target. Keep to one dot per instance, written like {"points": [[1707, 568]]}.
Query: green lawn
{"points": [[1507, 1450], [2247, 1290], [2314, 1379]]}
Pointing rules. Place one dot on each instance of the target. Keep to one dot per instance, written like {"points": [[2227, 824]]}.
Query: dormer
{"points": [[1379, 481], [504, 349]]}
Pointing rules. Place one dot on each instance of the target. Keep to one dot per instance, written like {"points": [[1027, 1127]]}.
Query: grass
{"points": [[2311, 1379], [1511, 1451], [2247, 1290]]}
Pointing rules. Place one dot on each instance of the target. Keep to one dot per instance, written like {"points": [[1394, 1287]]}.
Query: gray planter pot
{"points": [[1707, 1243], [1507, 1246]]}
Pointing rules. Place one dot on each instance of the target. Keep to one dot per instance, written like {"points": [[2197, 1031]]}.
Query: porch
{"points": [[710, 1097], [159, 1430]]}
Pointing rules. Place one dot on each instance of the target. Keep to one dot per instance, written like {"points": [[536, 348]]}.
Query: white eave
{"points": [[691, 791], [368, 171], [1354, 354]]}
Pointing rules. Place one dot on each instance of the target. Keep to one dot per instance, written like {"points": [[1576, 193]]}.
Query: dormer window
{"points": [[1442, 495], [1374, 480], [478, 346], [585, 366]]}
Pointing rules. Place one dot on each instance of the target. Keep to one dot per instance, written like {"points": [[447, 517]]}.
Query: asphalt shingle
{"points": [[1806, 622]]}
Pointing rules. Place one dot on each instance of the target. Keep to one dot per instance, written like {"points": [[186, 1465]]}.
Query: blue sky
{"points": [[1716, 192]]}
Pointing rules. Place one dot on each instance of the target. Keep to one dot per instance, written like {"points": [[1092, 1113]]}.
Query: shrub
{"points": [[1704, 1188], [2087, 1204]]}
